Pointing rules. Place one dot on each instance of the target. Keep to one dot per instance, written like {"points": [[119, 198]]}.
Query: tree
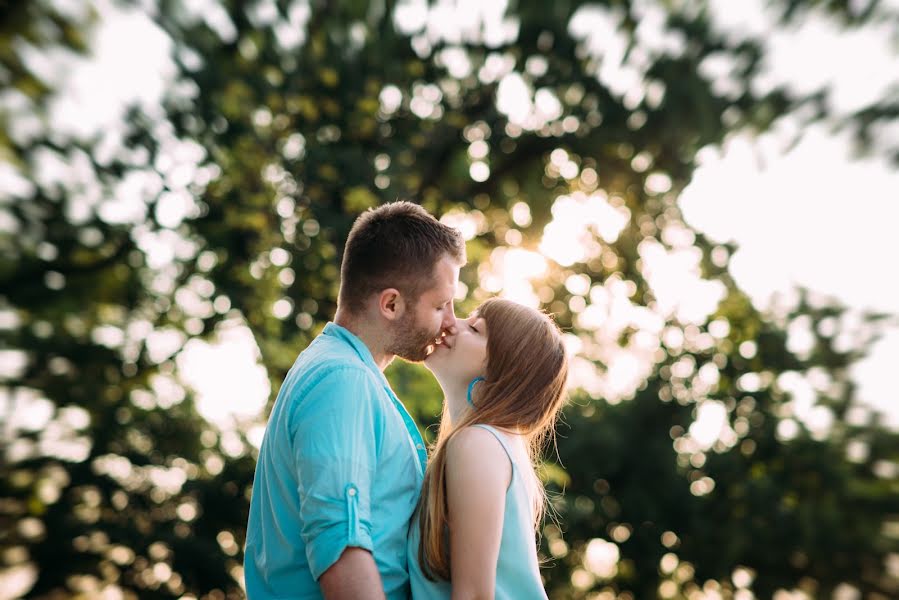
{"points": [[286, 121]]}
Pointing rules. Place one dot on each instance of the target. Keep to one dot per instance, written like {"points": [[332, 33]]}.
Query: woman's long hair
{"points": [[523, 391]]}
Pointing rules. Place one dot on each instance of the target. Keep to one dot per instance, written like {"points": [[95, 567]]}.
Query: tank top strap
{"points": [[501, 439]]}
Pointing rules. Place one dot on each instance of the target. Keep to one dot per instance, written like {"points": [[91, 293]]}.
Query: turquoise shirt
{"points": [[517, 568], [341, 465]]}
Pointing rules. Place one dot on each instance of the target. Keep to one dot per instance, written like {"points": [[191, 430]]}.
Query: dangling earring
{"points": [[471, 387]]}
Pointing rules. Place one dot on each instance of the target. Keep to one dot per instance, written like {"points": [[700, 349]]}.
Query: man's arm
{"points": [[354, 576], [335, 453]]}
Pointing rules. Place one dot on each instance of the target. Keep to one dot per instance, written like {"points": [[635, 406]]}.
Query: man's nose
{"points": [[449, 320]]}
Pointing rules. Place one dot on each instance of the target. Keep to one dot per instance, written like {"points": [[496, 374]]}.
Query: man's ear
{"points": [[391, 304]]}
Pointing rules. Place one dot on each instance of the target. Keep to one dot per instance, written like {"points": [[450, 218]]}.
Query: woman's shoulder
{"points": [[479, 449], [477, 443], [473, 439]]}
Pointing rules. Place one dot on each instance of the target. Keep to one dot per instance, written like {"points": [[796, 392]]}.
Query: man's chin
{"points": [[416, 352], [418, 356]]}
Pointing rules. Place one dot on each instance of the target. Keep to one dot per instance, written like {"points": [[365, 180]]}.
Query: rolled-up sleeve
{"points": [[335, 435]]}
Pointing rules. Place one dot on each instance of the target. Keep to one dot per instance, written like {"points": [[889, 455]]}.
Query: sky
{"points": [[805, 212]]}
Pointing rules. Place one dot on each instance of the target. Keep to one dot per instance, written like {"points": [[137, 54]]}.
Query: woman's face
{"points": [[461, 357]]}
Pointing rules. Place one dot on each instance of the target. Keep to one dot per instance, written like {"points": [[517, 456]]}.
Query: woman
{"points": [[503, 376]]}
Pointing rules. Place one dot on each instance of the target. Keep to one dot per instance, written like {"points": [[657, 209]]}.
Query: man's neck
{"points": [[371, 340]]}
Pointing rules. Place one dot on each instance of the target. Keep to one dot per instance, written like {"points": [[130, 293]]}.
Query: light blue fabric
{"points": [[341, 465], [517, 568]]}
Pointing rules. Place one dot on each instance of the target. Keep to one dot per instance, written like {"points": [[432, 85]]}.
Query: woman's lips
{"points": [[440, 342]]}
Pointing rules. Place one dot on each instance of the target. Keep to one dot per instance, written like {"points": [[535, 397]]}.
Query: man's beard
{"points": [[411, 342]]}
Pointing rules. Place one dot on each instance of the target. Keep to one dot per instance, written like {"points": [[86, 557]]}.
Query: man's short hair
{"points": [[396, 245]]}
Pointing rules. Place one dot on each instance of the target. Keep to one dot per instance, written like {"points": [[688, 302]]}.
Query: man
{"points": [[341, 465]]}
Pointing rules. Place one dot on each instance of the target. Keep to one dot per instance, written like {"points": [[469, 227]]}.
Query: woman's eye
{"points": [[473, 329]]}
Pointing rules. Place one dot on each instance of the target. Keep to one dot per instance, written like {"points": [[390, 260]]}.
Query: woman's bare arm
{"points": [[478, 473]]}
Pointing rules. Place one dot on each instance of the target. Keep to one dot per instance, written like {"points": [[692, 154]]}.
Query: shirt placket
{"points": [[415, 439]]}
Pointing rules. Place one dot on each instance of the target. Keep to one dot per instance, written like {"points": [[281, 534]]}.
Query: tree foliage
{"points": [[231, 205]]}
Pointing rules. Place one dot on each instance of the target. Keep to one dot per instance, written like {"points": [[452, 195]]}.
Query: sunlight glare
{"points": [[226, 374]]}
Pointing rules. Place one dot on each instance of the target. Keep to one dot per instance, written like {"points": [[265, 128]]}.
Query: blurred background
{"points": [[704, 193]]}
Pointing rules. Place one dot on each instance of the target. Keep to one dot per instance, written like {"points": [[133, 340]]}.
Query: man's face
{"points": [[432, 315]]}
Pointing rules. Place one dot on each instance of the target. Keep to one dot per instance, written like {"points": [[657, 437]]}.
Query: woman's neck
{"points": [[455, 397]]}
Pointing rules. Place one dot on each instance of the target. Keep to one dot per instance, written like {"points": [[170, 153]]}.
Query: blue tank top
{"points": [[517, 569]]}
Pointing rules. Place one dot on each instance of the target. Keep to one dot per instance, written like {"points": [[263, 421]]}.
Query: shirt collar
{"points": [[342, 333]]}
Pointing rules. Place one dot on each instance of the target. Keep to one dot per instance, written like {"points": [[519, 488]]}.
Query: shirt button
{"points": [[419, 446], [351, 492]]}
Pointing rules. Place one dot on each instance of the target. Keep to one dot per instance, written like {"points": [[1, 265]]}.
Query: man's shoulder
{"points": [[326, 357], [327, 367], [329, 375], [327, 389]]}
